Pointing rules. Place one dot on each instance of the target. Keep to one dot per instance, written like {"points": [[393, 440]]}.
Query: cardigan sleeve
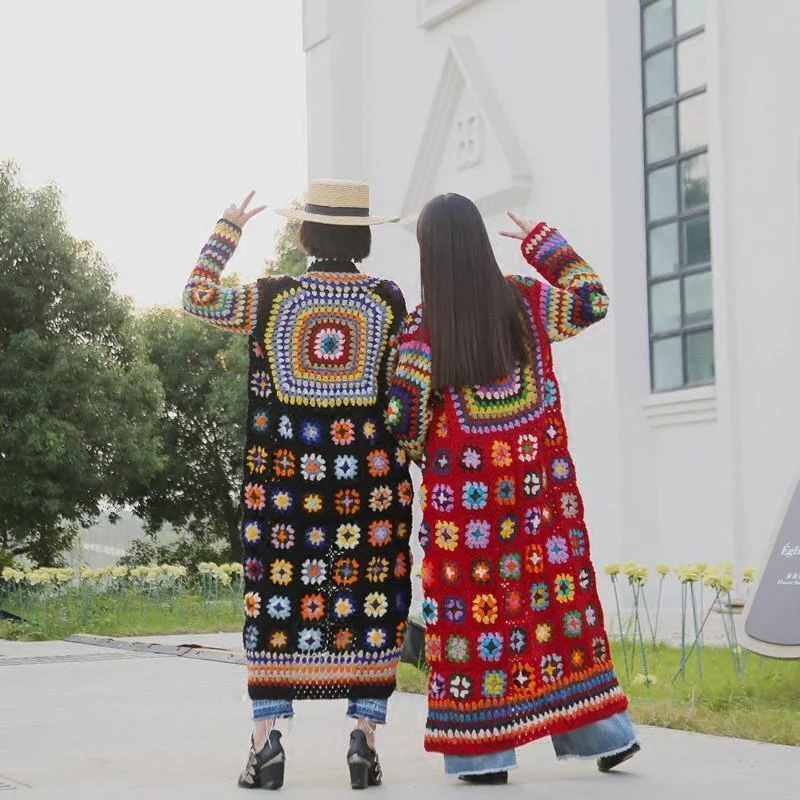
{"points": [[397, 303], [571, 297], [233, 308], [409, 403]]}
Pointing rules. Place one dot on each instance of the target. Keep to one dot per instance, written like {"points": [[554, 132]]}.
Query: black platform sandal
{"points": [[365, 768], [264, 770], [486, 778], [607, 763]]}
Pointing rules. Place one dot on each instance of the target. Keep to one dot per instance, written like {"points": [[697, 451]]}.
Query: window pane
{"points": [[667, 364], [662, 193], [665, 306], [694, 182], [659, 77], [692, 63], [657, 23], [693, 122], [691, 14], [664, 249], [696, 241], [660, 134], [697, 299], [700, 357]]}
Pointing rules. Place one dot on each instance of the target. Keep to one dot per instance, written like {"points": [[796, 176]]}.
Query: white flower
{"points": [[569, 505], [313, 571], [313, 467], [346, 467]]}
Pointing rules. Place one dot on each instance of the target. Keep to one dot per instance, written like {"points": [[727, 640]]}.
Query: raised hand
{"points": [[238, 214], [525, 226]]}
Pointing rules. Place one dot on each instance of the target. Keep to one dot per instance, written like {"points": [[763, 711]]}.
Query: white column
{"points": [[332, 38]]}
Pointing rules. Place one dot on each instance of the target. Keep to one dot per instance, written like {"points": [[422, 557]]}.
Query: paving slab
{"points": [[165, 727]]}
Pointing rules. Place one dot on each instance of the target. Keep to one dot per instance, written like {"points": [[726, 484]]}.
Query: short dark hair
{"points": [[474, 316], [345, 242]]}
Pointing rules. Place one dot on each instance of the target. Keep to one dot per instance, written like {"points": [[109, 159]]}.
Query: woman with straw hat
{"points": [[326, 491]]}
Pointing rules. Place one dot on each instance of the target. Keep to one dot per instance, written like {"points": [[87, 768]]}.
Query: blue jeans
{"points": [[604, 738], [373, 710]]}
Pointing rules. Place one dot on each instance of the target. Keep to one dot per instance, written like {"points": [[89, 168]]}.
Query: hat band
{"points": [[337, 211]]}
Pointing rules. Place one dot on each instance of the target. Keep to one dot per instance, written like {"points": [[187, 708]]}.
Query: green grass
{"points": [[124, 613], [763, 704]]}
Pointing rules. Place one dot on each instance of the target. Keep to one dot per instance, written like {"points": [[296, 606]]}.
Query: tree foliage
{"points": [[203, 372], [77, 401], [289, 259]]}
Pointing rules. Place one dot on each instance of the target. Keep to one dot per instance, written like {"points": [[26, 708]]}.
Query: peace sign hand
{"points": [[525, 226], [238, 215]]}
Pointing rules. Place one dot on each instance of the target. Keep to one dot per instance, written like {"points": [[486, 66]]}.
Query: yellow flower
{"points": [[663, 570], [63, 575], [612, 569], [543, 633], [726, 567], [278, 640], [637, 573], [711, 578], [348, 536], [282, 500], [281, 572], [749, 574], [10, 574], [313, 503], [446, 535], [118, 572], [725, 583], [494, 683], [689, 573], [375, 637], [644, 680]]}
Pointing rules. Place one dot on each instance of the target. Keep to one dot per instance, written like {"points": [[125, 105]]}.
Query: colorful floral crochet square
{"points": [[325, 346]]}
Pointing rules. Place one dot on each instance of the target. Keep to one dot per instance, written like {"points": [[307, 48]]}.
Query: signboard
{"points": [[772, 615]]}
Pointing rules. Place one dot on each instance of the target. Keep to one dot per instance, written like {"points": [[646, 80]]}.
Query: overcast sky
{"points": [[151, 117]]}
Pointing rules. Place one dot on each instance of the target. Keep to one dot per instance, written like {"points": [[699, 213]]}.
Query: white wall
{"points": [[759, 220], [695, 475]]}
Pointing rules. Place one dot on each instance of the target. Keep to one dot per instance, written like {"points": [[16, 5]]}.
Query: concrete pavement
{"points": [[79, 721]]}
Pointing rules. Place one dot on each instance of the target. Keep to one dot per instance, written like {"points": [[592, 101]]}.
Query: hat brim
{"points": [[304, 216]]}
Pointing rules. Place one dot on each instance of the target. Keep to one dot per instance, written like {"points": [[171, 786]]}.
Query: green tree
{"points": [[203, 372], [289, 258], [77, 401]]}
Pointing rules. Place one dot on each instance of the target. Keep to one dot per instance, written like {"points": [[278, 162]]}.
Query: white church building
{"points": [[662, 137]]}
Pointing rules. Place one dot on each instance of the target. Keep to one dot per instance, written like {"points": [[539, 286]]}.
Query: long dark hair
{"points": [[473, 315]]}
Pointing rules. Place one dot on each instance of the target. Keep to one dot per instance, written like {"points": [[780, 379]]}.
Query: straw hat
{"points": [[334, 202]]}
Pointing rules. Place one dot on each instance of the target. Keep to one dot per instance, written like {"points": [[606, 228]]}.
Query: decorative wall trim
{"points": [[462, 70], [685, 407], [432, 12]]}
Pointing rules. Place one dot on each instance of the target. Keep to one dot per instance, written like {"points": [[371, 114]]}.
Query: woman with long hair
{"points": [[515, 637], [326, 492]]}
